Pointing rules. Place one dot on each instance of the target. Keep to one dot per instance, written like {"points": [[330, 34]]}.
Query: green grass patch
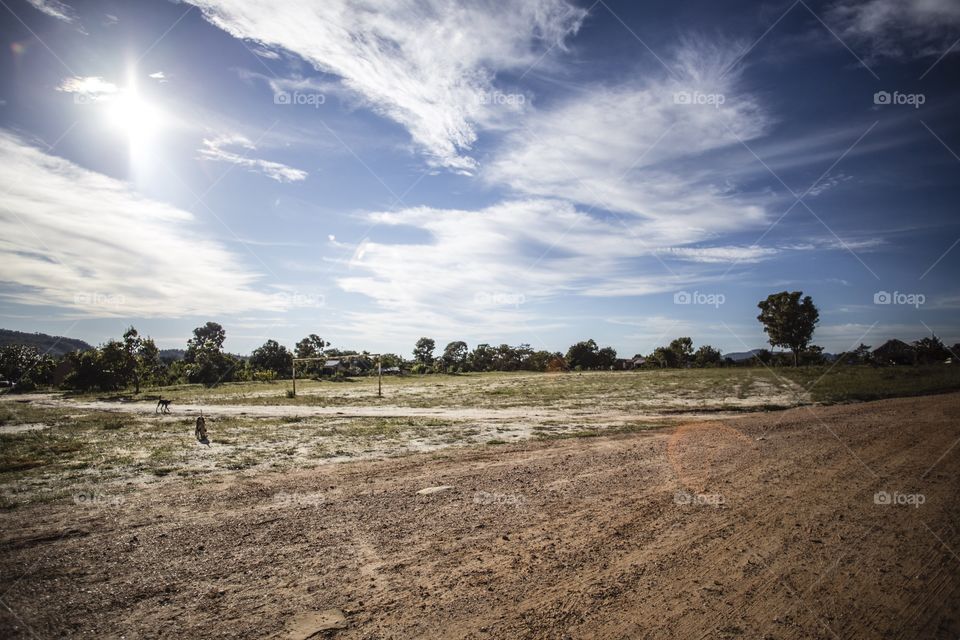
{"points": [[861, 383]]}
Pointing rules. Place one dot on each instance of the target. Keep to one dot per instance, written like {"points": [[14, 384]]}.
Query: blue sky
{"points": [[377, 171]]}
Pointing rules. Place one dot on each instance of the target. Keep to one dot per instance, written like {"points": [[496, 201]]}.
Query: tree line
{"points": [[788, 318]]}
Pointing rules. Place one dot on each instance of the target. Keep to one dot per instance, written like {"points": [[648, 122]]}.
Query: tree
{"points": [[606, 358], [789, 321], [205, 361], [390, 360], [860, 355], [143, 362], [455, 355], [482, 358], [683, 350], [272, 356], [583, 355], [312, 347], [707, 356], [25, 366], [930, 350], [663, 357], [423, 352]]}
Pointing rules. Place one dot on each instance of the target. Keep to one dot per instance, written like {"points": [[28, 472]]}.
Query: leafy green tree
{"points": [[143, 362], [860, 355], [707, 356], [272, 356], [482, 358], [390, 360], [205, 360], [26, 367], [583, 355], [789, 320], [312, 347], [682, 349], [423, 351], [455, 355], [606, 358], [663, 357], [930, 350]]}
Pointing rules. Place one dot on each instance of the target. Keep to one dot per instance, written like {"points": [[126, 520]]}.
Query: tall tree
{"points": [[583, 355], [205, 361], [143, 362], [423, 351], [789, 320], [271, 356], [482, 357], [455, 355], [707, 356], [682, 349]]}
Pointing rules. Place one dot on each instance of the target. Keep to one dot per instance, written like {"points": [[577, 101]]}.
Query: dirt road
{"points": [[836, 522]]}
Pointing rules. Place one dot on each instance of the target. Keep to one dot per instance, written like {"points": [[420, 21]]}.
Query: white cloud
{"points": [[55, 9], [159, 75], [427, 65], [83, 241], [487, 271], [720, 255], [899, 28], [90, 88], [643, 148], [216, 149]]}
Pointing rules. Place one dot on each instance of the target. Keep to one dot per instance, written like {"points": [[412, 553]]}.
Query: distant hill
{"points": [[737, 356], [51, 345], [740, 356], [172, 354]]}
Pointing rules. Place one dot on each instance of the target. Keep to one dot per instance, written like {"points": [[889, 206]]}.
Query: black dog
{"points": [[163, 406], [201, 430]]}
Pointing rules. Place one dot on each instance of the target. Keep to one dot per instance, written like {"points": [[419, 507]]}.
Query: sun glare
{"points": [[134, 116]]}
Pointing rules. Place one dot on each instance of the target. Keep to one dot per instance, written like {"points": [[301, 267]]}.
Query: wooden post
{"points": [[379, 377], [294, 376]]}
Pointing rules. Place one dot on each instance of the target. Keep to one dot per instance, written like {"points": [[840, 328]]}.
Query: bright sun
{"points": [[134, 116]]}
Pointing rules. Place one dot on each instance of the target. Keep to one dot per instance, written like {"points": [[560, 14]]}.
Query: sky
{"points": [[538, 171]]}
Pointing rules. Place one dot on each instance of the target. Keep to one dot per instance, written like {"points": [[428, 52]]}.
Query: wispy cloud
{"points": [[90, 88], [55, 9], [899, 28], [636, 149], [85, 242], [216, 148], [429, 66]]}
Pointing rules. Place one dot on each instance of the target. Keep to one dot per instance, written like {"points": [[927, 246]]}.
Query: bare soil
{"points": [[761, 526]]}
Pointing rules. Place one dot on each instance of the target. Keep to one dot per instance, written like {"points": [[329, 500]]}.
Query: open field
{"points": [[691, 503], [55, 446], [754, 526]]}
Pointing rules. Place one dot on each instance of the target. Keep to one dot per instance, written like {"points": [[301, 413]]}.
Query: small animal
{"points": [[163, 406], [201, 429]]}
